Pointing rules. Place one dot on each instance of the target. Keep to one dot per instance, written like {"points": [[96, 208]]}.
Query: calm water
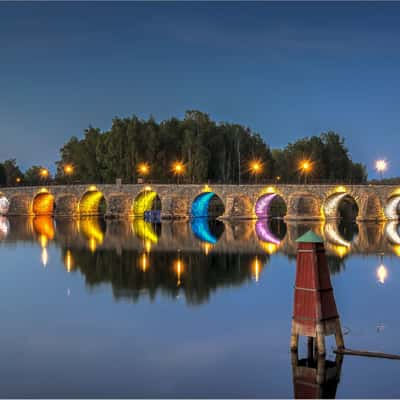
{"points": [[202, 309]]}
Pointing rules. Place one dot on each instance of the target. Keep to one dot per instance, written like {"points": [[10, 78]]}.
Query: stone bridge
{"points": [[302, 202]]}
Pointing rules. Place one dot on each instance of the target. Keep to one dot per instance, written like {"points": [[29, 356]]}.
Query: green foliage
{"points": [[329, 158], [33, 177], [12, 171], [3, 175], [208, 150]]}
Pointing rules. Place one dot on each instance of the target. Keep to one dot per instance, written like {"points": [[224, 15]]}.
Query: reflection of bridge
{"points": [[245, 237], [181, 201]]}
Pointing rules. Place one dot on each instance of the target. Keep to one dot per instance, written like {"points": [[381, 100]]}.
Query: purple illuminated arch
{"points": [[264, 234], [263, 204]]}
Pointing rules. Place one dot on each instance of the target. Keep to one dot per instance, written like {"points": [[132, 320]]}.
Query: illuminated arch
{"points": [[207, 204], [201, 229], [4, 204], [92, 203], [332, 204], [264, 204], [147, 200], [392, 209], [43, 204], [144, 230]]}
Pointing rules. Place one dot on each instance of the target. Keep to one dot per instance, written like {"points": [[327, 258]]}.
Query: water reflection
{"points": [[136, 256]]}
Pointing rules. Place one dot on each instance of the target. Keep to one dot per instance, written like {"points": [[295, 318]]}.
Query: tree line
{"points": [[209, 152]]}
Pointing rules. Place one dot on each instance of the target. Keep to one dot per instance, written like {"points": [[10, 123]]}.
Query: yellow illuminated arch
{"points": [[43, 204], [144, 230], [90, 203], [143, 202]]}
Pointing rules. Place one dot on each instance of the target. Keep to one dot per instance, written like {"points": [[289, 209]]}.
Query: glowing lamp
{"points": [[340, 189]]}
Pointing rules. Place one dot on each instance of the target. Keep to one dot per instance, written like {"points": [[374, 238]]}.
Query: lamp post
{"points": [[305, 167], [68, 170], [178, 169], [256, 168], [381, 167], [44, 174], [143, 170]]}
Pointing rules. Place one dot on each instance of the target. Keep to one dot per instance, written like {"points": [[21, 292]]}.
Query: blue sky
{"points": [[287, 70]]}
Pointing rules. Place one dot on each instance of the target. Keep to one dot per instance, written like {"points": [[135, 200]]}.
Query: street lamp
{"points": [[44, 173], [68, 169], [179, 169], [143, 169], [305, 167], [256, 168], [381, 167]]}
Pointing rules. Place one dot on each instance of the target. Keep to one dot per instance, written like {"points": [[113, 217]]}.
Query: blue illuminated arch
{"points": [[201, 230], [200, 205]]}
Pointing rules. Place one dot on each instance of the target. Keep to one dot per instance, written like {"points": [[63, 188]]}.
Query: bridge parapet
{"points": [[304, 202]]}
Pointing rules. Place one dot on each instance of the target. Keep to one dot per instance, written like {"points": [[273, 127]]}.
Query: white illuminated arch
{"points": [[392, 207], [4, 205]]}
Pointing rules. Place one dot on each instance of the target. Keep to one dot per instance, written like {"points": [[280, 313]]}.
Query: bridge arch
{"points": [[43, 203], [66, 205], [4, 204], [20, 204], [147, 200], [341, 205], [270, 205], [392, 207], [207, 204], [304, 206], [92, 203]]}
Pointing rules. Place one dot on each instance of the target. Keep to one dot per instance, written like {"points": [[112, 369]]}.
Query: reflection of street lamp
{"points": [[179, 267], [179, 169], [256, 168], [381, 271], [381, 167], [305, 167]]}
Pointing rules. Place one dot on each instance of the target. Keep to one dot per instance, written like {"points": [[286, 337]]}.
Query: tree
{"points": [[12, 171], [33, 176]]}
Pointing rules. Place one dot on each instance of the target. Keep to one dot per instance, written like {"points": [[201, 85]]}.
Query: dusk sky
{"points": [[286, 70]]}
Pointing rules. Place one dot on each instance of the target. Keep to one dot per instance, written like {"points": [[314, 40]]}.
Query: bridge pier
{"points": [[174, 207]]}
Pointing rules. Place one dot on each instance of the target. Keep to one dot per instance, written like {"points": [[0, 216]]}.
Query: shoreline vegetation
{"points": [[209, 151]]}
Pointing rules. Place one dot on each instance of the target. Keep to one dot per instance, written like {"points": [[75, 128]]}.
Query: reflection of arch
{"points": [[43, 204], [144, 230], [392, 232], [207, 204], [92, 229], [44, 226], [4, 227], [92, 203], [334, 202], [333, 235], [263, 232], [4, 204], [145, 201], [201, 229], [264, 203], [392, 209]]}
